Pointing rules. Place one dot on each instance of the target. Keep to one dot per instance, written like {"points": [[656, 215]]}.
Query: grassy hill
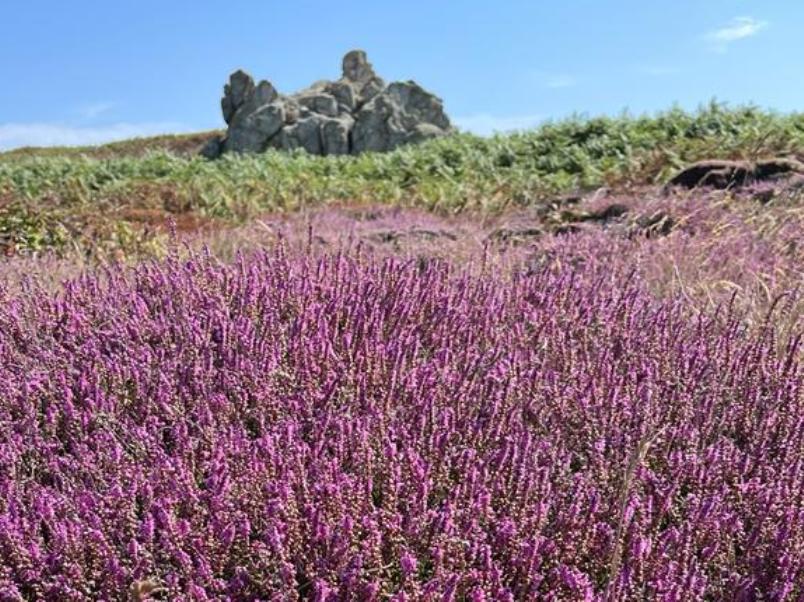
{"points": [[103, 196], [183, 145]]}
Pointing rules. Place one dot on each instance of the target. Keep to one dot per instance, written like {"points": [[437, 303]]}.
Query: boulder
{"points": [[250, 132], [293, 111], [353, 114], [260, 96], [305, 133], [243, 140], [404, 113], [346, 95], [716, 174], [335, 135], [781, 167], [321, 103], [417, 105], [213, 148], [358, 72], [356, 67], [721, 174], [267, 120], [240, 87]]}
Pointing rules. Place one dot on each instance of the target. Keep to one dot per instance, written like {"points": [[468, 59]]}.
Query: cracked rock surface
{"points": [[356, 113]]}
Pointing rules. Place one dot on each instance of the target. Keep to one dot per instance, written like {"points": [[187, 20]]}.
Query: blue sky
{"points": [[79, 71]]}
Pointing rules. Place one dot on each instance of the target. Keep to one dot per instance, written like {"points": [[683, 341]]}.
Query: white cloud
{"points": [[560, 81], [95, 109], [13, 135], [738, 28], [484, 124]]}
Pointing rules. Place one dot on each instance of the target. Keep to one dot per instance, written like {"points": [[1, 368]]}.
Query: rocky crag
{"points": [[351, 115]]}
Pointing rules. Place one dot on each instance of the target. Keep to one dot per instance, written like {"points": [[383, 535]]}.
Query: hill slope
{"points": [[95, 195]]}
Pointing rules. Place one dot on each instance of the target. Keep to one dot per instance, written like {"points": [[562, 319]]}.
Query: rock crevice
{"points": [[358, 112]]}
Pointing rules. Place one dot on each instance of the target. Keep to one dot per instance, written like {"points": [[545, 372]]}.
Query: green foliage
{"points": [[460, 172], [23, 228]]}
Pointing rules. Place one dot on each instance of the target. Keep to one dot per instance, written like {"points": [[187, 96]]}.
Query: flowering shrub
{"points": [[354, 428]]}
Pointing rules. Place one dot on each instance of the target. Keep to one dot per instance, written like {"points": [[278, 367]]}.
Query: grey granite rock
{"points": [[356, 113]]}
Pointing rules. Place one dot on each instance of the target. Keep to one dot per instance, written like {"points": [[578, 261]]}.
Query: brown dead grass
{"points": [[184, 145]]}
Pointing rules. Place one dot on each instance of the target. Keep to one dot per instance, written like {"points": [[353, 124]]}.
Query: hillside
{"points": [[118, 196], [514, 368], [181, 145]]}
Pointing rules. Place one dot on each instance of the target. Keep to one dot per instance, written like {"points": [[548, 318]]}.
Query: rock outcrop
{"points": [[356, 113], [735, 174]]}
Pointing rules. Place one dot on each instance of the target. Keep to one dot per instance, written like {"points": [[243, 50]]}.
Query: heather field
{"points": [[583, 388]]}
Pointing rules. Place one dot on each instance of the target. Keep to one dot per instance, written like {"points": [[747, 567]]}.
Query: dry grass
{"points": [[182, 145]]}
